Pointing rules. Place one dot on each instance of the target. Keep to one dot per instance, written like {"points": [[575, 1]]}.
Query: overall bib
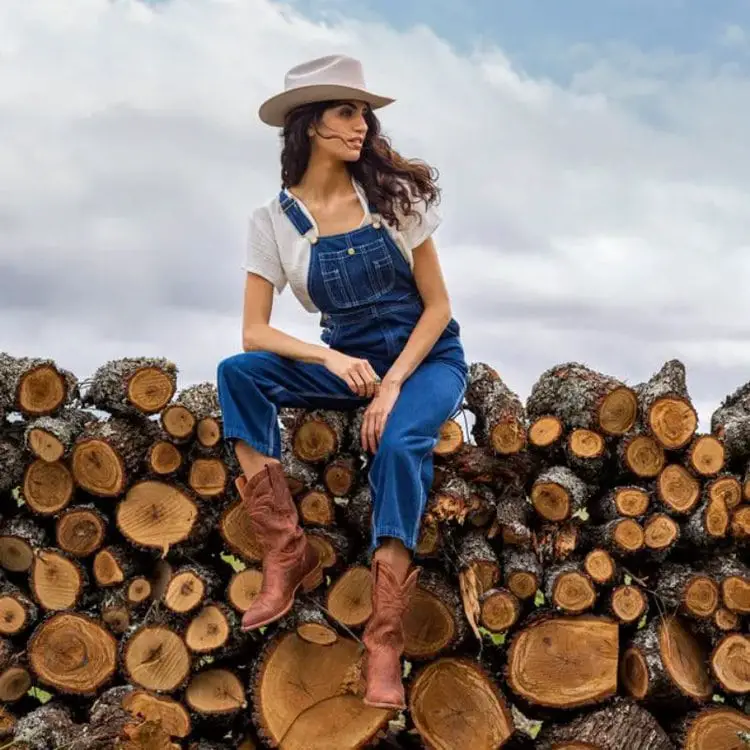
{"points": [[365, 290]]}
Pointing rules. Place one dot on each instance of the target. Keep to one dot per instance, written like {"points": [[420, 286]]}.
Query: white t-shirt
{"points": [[277, 252]]}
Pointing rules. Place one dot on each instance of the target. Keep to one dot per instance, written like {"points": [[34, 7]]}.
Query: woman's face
{"points": [[341, 131]]}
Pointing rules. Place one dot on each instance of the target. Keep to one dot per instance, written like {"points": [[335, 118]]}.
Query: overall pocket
{"points": [[358, 275]]}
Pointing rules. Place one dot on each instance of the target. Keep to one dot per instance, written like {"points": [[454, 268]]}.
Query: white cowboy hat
{"points": [[318, 80]]}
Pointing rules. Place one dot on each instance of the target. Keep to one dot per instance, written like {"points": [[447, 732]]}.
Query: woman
{"points": [[350, 234]]}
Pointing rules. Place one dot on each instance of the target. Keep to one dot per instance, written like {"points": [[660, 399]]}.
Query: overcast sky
{"points": [[595, 168]]}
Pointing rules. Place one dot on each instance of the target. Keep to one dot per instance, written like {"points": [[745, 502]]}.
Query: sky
{"points": [[594, 166]]}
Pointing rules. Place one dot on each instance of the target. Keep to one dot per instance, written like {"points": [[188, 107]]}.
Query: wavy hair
{"points": [[392, 183]]}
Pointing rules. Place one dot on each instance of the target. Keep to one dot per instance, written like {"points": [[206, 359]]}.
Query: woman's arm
{"points": [[437, 313], [259, 335]]}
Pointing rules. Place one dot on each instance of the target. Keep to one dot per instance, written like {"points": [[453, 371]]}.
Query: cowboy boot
{"points": [[289, 560], [384, 637]]}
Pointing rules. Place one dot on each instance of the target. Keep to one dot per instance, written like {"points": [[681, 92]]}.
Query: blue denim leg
{"points": [[402, 469], [253, 385]]}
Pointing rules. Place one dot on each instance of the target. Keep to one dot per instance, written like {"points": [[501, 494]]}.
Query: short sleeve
{"points": [[262, 252], [420, 225]]}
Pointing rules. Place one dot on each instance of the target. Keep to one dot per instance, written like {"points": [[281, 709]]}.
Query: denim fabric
{"points": [[365, 290]]}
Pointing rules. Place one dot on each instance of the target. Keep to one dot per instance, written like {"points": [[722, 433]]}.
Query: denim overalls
{"points": [[365, 290]]}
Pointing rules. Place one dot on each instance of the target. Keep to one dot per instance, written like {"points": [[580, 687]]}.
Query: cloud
{"points": [[603, 220]]}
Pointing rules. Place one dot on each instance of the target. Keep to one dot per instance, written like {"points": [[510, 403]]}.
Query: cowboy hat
{"points": [[318, 80]]}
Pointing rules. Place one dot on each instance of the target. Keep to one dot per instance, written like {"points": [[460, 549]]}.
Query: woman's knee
{"points": [[245, 364]]}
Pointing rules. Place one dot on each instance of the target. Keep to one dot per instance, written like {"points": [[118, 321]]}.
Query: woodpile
{"points": [[586, 574]]}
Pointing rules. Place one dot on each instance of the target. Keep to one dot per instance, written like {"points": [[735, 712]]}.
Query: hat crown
{"points": [[334, 70]]}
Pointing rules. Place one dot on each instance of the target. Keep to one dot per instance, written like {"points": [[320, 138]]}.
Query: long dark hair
{"points": [[392, 183]]}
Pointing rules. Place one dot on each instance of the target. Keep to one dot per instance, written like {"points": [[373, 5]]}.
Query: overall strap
{"points": [[294, 213]]}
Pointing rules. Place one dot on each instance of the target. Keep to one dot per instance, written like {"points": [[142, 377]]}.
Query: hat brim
{"points": [[274, 110]]}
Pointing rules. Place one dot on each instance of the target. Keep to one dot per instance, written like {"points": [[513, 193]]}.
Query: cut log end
{"points": [[208, 432], [551, 501], [631, 502], [208, 631], [728, 488], [297, 694], [707, 455], [208, 477], [740, 524], [156, 658], [315, 441], [349, 598], [565, 662], [215, 692], [450, 438], [98, 468], [508, 437], [158, 709], [545, 431], [244, 587], [702, 596], [316, 509], [184, 592], [586, 443], [486, 722], [156, 515], [81, 531], [716, 729], [673, 421], [523, 584], [644, 456], [48, 487], [628, 603], [735, 593], [599, 566], [499, 610], [45, 445], [678, 489], [164, 457], [178, 421], [73, 653], [573, 592], [730, 663], [41, 390], [660, 532], [57, 582], [150, 390], [628, 535], [618, 411]]}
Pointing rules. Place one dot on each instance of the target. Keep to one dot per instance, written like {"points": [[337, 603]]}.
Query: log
{"points": [[215, 692], [73, 653], [17, 611], [178, 422], [731, 424], [500, 417], [623, 724], [486, 720], [587, 453], [295, 685], [340, 475], [202, 401], [306, 618], [739, 526], [665, 406], [114, 564], [316, 507], [628, 603], [47, 487], [155, 658], [600, 566], [319, 434], [665, 663], [728, 487], [543, 672], [80, 531], [132, 386], [640, 454], [705, 456], [51, 438], [14, 675], [34, 386], [558, 493], [522, 572], [108, 455], [678, 490], [57, 581], [623, 537], [569, 589], [164, 458], [20, 537], [348, 599], [545, 432], [499, 610], [730, 663], [734, 580], [660, 534], [709, 523], [683, 588], [581, 397], [718, 728], [627, 501]]}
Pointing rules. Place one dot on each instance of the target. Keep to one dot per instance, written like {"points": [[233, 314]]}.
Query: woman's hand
{"points": [[358, 373], [376, 415]]}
